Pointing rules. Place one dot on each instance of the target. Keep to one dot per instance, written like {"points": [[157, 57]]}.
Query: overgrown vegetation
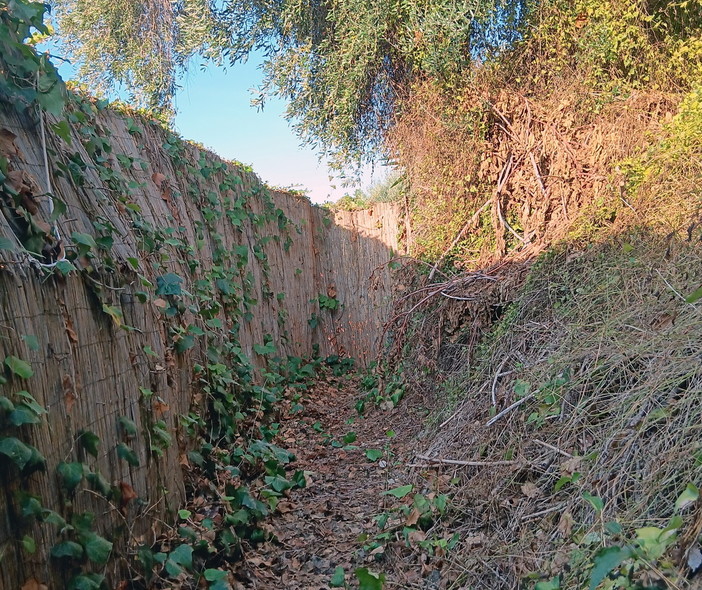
{"points": [[201, 304]]}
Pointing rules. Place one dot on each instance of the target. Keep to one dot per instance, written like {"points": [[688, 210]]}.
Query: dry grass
{"points": [[610, 352], [529, 164]]}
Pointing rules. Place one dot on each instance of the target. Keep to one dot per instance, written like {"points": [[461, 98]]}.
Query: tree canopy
{"points": [[345, 66], [340, 64]]}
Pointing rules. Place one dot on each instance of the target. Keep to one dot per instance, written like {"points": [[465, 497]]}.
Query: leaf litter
{"points": [[327, 532]]}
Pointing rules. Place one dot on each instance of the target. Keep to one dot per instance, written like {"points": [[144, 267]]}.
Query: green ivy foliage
{"points": [[27, 77]]}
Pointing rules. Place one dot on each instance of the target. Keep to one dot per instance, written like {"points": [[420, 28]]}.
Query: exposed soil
{"points": [[331, 523]]}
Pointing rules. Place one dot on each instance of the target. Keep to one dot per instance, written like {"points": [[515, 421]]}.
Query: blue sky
{"points": [[214, 108]]}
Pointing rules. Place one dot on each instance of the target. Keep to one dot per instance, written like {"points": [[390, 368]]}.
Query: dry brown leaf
{"points": [[70, 400], [160, 407], [7, 144], [161, 303], [285, 507], [69, 394], [531, 490], [33, 584], [127, 494], [413, 517], [158, 179], [571, 465], [565, 525], [474, 541], [70, 332]]}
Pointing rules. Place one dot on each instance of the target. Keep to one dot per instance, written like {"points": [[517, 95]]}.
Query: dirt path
{"points": [[326, 525]]}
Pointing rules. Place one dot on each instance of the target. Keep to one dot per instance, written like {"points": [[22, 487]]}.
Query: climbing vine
{"points": [[203, 292]]}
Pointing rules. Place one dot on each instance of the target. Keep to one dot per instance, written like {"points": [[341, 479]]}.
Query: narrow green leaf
{"points": [[689, 496], [594, 501], [695, 296]]}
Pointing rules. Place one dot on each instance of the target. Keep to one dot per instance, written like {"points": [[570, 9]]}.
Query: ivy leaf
{"points": [[264, 349], [70, 475], [128, 425], [338, 579], [29, 544], [213, 575], [68, 549], [63, 131], [19, 367], [368, 580], [52, 99], [59, 209], [594, 501], [553, 584], [98, 483], [181, 557], [22, 415], [5, 404], [53, 518], [29, 401], [89, 441], [87, 582], [374, 454], [31, 341], [400, 492], [115, 313], [16, 450], [84, 239], [605, 561], [97, 548], [126, 453], [169, 284]]}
